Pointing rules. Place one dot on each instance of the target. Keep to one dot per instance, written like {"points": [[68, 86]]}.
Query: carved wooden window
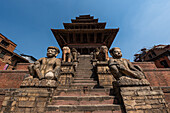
{"points": [[64, 37], [85, 38], [164, 63], [105, 37], [78, 38], [4, 43], [2, 54], [150, 56], [81, 27], [153, 53], [99, 37], [71, 38], [91, 37], [93, 27], [84, 27]]}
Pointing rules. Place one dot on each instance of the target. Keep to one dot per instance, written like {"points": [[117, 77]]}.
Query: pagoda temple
{"points": [[85, 34], [85, 82]]}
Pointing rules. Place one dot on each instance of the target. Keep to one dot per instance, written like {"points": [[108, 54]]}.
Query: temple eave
{"points": [[84, 30]]}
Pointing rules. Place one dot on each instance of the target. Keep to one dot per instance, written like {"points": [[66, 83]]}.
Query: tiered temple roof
{"points": [[85, 34]]}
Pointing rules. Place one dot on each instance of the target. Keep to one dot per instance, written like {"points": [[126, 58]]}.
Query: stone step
{"points": [[84, 67], [103, 111], [84, 81], [82, 100], [80, 70], [73, 108], [84, 92], [78, 86], [83, 84], [84, 72], [81, 78]]}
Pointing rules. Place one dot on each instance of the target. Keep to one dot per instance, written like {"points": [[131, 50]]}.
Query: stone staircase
{"points": [[83, 74], [82, 96]]}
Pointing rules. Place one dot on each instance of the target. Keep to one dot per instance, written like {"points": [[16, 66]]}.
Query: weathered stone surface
{"points": [[26, 104], [125, 81], [104, 76], [142, 98], [27, 100], [34, 82]]}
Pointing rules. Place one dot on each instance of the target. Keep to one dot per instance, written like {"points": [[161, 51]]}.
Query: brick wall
{"points": [[2, 96], [22, 66], [2, 64], [11, 79], [146, 65], [158, 77]]}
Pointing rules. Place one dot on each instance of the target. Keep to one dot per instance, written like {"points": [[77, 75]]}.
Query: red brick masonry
{"points": [[156, 77]]}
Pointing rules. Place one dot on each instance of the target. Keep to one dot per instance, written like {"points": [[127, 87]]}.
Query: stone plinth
{"points": [[66, 74], [126, 81], [35, 82], [104, 76], [26, 100], [138, 97]]}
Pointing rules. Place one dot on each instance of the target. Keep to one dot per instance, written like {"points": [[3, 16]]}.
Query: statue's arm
{"points": [[131, 71], [110, 63], [131, 66], [57, 68]]}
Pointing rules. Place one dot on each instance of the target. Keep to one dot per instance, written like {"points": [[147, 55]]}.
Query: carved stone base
{"points": [[138, 97], [105, 78], [126, 81], [35, 82]]}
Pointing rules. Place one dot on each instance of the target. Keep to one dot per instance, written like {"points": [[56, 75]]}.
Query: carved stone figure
{"points": [[66, 54], [48, 67], [103, 54], [123, 68], [74, 54], [95, 53]]}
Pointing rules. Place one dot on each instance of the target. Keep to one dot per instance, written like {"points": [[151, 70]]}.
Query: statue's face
{"points": [[104, 49], [51, 53], [117, 53]]}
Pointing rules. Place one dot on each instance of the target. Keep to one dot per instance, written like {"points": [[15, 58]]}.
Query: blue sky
{"points": [[142, 23]]}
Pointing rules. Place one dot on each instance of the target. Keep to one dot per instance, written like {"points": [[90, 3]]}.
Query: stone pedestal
{"points": [[66, 74], [36, 83], [138, 97], [33, 96], [27, 100], [104, 76]]}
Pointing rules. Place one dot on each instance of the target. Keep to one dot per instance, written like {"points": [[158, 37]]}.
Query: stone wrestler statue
{"points": [[120, 67], [74, 54], [48, 67], [66, 57], [103, 54]]}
